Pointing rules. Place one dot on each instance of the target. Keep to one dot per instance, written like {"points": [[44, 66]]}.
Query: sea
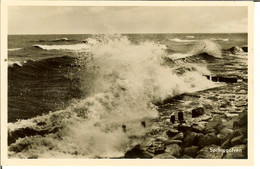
{"points": [[86, 96]]}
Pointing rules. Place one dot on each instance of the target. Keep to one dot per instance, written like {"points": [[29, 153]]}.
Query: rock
{"points": [[210, 152], [197, 112], [208, 139], [189, 139], [237, 152], [186, 157], [245, 49], [226, 144], [172, 132], [184, 127], [157, 147], [164, 156], [191, 151], [235, 50], [178, 136], [237, 140], [173, 149], [214, 123], [198, 128], [224, 134], [138, 152], [168, 142]]}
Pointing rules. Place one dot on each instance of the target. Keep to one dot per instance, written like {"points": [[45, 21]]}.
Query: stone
{"points": [[191, 151], [235, 50], [173, 149], [172, 132], [237, 140], [245, 49], [184, 127], [168, 142], [189, 139], [210, 152], [186, 157], [164, 156], [178, 136], [198, 128], [237, 152], [214, 123], [157, 147], [226, 144], [197, 112], [208, 139], [224, 134], [138, 152]]}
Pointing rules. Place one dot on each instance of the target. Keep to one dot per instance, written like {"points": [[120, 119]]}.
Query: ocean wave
{"points": [[220, 39], [63, 47], [14, 49], [190, 37], [182, 40], [129, 78]]}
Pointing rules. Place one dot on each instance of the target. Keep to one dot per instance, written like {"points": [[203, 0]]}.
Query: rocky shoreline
{"points": [[219, 133]]}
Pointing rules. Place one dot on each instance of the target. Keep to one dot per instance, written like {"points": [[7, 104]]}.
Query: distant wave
{"points": [[64, 47], [190, 37], [182, 40], [55, 40], [14, 49], [219, 39]]}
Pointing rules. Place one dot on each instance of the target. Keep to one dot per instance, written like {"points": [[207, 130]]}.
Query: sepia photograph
{"points": [[128, 81]]}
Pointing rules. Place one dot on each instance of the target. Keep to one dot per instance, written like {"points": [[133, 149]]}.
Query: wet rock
{"points": [[208, 139], [210, 152], [226, 144], [186, 157], [168, 142], [198, 128], [224, 134], [237, 152], [157, 147], [245, 49], [237, 140], [191, 151], [138, 152], [235, 50], [173, 149], [184, 127], [197, 112], [172, 132], [164, 156], [189, 139], [178, 136], [214, 123]]}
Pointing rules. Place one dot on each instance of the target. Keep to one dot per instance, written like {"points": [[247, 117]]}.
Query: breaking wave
{"points": [[73, 47], [128, 79]]}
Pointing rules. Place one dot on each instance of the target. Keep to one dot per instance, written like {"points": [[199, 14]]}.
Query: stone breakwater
{"points": [[218, 131]]}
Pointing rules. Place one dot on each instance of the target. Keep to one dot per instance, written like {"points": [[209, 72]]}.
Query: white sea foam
{"points": [[220, 39], [14, 49], [73, 47], [183, 40], [128, 79]]}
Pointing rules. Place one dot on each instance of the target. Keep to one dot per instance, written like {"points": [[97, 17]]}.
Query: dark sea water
{"points": [[70, 94]]}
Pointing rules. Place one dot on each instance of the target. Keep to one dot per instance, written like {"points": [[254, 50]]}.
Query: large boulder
{"points": [[174, 150], [208, 139], [191, 151], [235, 50], [217, 121], [178, 136], [164, 156], [138, 152], [172, 132], [189, 139], [237, 140]]}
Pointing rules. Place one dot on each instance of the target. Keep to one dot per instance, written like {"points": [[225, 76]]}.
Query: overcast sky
{"points": [[84, 20]]}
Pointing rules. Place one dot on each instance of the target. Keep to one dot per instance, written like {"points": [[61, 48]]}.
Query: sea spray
{"points": [[128, 78]]}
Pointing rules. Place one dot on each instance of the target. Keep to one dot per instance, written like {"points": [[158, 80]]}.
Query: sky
{"points": [[128, 19]]}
